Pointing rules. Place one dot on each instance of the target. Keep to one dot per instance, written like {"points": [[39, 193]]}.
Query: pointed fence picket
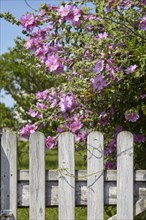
{"points": [[66, 187]]}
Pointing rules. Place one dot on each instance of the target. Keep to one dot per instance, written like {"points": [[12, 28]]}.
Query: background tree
{"points": [[21, 79]]}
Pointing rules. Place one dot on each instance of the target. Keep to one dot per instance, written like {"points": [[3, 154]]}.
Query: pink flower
{"points": [[143, 2], [81, 136], [54, 63], [70, 13], [99, 66], [34, 114], [52, 7], [110, 165], [110, 68], [111, 147], [51, 142], [27, 130], [76, 124], [103, 118], [60, 129], [54, 103], [143, 96], [139, 138], [131, 69], [42, 95], [118, 130], [142, 24], [65, 10], [99, 82], [30, 43], [28, 21], [68, 102], [128, 3], [101, 36], [131, 116], [90, 17], [41, 106]]}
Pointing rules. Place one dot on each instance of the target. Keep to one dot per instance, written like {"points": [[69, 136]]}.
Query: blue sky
{"points": [[9, 32]]}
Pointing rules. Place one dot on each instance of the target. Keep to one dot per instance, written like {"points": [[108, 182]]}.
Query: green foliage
{"points": [[6, 117], [10, 18], [25, 72], [21, 78]]}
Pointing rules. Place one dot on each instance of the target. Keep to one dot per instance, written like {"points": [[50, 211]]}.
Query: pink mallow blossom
{"points": [[28, 21], [102, 36], [35, 114], [99, 82], [131, 116], [68, 102], [139, 138], [110, 165], [54, 63], [82, 136], [111, 147], [42, 95], [143, 2], [103, 118], [142, 24], [41, 106], [99, 66], [76, 125], [70, 13], [51, 142], [28, 130], [131, 69], [143, 96], [110, 68]]}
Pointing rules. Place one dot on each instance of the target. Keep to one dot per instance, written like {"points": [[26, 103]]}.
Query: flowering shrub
{"points": [[97, 54]]}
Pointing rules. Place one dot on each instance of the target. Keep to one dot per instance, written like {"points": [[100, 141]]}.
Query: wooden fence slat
{"points": [[37, 176], [81, 175], [95, 173], [125, 175], [9, 173], [66, 192]]}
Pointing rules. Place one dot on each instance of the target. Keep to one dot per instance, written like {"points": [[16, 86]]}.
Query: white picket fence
{"points": [[67, 188]]}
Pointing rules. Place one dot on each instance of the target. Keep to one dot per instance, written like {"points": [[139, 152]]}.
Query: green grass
{"points": [[52, 163], [52, 213], [51, 158]]}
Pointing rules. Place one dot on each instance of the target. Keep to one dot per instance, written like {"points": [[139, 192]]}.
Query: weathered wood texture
{"points": [[125, 148], [95, 173], [52, 176], [66, 187], [37, 176], [9, 173], [66, 193]]}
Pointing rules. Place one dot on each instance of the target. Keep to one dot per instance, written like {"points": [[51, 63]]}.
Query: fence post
{"points": [[37, 176], [95, 176], [125, 180], [9, 173], [66, 191]]}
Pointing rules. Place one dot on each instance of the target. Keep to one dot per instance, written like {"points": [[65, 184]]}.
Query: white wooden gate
{"points": [[37, 188]]}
